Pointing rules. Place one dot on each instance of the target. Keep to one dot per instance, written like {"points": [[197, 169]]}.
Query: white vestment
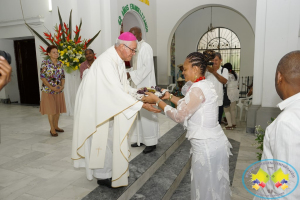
{"points": [[105, 110], [282, 142], [145, 129]]}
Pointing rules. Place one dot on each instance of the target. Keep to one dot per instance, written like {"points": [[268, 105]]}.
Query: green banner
{"points": [[134, 7]]}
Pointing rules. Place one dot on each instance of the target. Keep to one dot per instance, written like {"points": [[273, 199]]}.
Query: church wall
{"points": [[88, 10], [170, 15], [281, 37], [277, 33], [149, 13], [195, 25]]}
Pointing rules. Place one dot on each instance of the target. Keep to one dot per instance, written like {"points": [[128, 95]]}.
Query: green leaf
{"points": [[62, 26], [70, 24], [43, 40], [92, 39]]}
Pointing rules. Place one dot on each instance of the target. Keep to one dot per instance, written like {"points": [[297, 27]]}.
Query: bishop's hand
{"points": [[150, 108]]}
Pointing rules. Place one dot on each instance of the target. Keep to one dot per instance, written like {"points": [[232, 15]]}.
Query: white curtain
{"points": [[72, 82]]}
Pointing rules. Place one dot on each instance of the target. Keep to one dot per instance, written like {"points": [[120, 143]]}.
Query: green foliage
{"points": [[260, 134]]}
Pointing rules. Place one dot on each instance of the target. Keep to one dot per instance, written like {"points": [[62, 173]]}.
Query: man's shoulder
{"points": [[290, 115], [145, 45]]}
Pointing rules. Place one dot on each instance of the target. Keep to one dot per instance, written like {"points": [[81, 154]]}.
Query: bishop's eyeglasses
{"points": [[132, 50]]}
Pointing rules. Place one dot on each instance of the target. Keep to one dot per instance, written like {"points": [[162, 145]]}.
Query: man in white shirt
{"points": [[218, 76], [282, 136], [145, 128], [105, 109]]}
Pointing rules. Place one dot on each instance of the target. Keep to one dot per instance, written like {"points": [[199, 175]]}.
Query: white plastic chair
{"points": [[244, 103], [171, 87]]}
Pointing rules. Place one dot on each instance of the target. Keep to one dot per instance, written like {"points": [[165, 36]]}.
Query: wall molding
{"points": [[38, 20]]}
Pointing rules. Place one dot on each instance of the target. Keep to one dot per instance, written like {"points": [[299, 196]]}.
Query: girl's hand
{"points": [[166, 96], [151, 98]]}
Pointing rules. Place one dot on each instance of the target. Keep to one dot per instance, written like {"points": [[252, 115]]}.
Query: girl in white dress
{"points": [[233, 96], [198, 112]]}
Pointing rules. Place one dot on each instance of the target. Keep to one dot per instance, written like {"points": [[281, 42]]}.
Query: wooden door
{"points": [[27, 71]]}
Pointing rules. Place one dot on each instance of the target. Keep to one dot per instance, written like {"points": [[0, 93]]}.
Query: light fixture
{"points": [[210, 28], [50, 5]]}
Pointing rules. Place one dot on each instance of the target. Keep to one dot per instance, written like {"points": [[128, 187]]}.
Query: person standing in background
{"points": [[53, 99], [145, 129], [233, 95], [218, 76], [90, 58]]}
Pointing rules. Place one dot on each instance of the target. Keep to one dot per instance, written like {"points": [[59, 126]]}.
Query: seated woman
{"points": [[90, 58], [177, 89], [198, 112]]}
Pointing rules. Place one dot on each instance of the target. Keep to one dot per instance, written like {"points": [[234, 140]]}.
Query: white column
{"points": [[109, 23], [281, 37], [261, 11]]}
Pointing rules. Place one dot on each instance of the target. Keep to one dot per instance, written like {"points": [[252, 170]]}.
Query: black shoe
{"points": [[105, 182], [149, 149], [136, 145]]}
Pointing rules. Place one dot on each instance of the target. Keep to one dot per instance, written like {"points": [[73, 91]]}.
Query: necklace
{"points": [[199, 79]]}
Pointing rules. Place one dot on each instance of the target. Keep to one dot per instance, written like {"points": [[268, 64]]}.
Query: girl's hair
{"points": [[49, 48], [201, 60], [229, 67], [89, 50]]}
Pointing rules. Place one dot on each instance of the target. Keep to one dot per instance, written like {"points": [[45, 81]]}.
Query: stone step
{"points": [[142, 167], [166, 179]]}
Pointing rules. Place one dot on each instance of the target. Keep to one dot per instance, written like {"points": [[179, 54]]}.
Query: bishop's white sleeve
{"points": [[186, 107], [133, 109], [146, 62]]}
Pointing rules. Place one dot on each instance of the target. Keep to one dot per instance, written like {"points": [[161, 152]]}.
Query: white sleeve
{"points": [[186, 107], [145, 65], [133, 109]]}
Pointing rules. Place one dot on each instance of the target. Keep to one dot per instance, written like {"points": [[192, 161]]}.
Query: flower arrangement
{"points": [[71, 51], [260, 134]]}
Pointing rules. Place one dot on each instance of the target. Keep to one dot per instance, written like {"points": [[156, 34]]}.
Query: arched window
{"points": [[224, 41]]}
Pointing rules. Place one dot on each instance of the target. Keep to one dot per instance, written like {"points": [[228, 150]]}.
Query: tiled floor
{"points": [[36, 166]]}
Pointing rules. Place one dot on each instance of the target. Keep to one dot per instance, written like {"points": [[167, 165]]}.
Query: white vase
{"points": [[72, 82]]}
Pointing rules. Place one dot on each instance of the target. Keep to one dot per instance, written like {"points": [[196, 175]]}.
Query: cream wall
{"points": [[149, 12], [192, 28], [12, 25], [277, 33], [171, 14]]}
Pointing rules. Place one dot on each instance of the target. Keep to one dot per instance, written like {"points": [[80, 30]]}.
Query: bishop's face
{"points": [[129, 50]]}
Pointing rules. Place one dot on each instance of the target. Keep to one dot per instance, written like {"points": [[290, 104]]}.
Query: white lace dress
{"points": [[198, 112]]}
